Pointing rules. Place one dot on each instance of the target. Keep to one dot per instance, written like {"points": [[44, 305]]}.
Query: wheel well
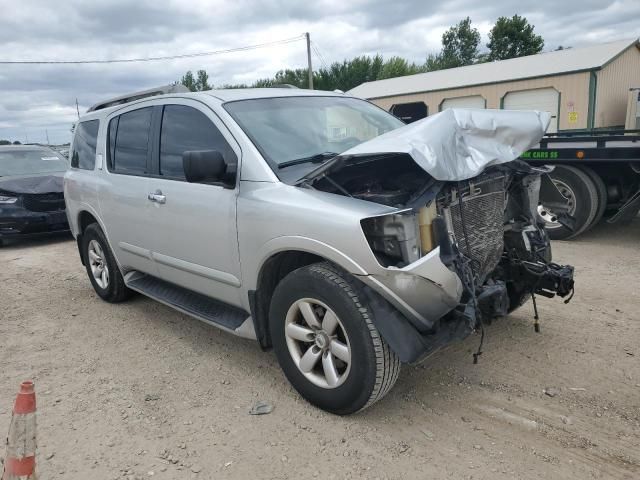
{"points": [[84, 220], [273, 270]]}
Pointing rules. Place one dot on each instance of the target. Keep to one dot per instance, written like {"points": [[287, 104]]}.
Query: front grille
{"points": [[43, 202], [483, 207]]}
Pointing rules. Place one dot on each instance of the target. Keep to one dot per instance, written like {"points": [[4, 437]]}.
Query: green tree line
{"points": [[509, 38]]}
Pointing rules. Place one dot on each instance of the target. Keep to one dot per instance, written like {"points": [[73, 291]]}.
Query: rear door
{"points": [[194, 241], [124, 189]]}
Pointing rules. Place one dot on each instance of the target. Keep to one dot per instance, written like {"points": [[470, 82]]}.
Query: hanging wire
{"points": [[319, 55], [153, 59]]}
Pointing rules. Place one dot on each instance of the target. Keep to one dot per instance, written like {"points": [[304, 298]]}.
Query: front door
{"points": [[195, 243]]}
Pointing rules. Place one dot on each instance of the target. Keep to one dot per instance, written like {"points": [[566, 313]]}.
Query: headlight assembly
{"points": [[5, 199]]}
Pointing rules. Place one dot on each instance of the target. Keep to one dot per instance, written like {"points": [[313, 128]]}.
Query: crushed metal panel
{"points": [[459, 144]]}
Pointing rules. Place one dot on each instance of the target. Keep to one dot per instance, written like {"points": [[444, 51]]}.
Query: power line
{"points": [[315, 50], [152, 59], [319, 54]]}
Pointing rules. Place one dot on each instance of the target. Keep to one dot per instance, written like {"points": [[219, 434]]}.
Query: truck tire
{"points": [[582, 196], [101, 266], [326, 342], [601, 188]]}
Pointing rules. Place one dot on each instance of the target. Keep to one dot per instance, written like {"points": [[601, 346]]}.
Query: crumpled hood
{"points": [[49, 183], [458, 144]]}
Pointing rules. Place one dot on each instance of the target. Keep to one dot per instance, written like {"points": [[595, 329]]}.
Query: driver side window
{"points": [[183, 129]]}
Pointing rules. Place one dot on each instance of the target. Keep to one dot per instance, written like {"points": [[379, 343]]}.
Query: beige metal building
{"points": [[585, 87]]}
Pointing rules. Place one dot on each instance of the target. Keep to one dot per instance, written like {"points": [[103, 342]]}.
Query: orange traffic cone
{"points": [[20, 460]]}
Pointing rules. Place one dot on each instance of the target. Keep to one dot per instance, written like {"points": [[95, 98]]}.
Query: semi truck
{"points": [[596, 171]]}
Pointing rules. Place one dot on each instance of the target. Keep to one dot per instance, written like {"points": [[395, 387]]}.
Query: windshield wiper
{"points": [[317, 158]]}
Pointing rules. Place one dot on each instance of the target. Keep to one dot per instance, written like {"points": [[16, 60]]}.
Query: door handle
{"points": [[157, 197]]}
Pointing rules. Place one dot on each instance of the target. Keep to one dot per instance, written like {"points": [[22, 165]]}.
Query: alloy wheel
{"points": [[98, 265], [318, 343]]}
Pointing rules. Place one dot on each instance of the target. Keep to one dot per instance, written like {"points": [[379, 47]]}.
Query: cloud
{"points": [[40, 98]]}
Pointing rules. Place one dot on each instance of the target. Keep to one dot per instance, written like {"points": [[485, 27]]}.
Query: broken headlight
{"points": [[400, 238]]}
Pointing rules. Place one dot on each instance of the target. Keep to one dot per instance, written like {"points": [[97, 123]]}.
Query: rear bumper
{"points": [[18, 222]]}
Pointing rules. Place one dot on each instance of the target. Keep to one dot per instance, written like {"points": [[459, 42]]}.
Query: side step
{"points": [[200, 306]]}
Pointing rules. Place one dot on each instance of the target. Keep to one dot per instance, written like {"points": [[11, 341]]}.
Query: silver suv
{"points": [[314, 222]]}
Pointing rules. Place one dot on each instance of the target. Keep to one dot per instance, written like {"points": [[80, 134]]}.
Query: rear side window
{"points": [[129, 141], [84, 145], [183, 129]]}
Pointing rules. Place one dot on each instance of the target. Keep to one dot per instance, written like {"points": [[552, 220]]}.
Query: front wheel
{"points": [[326, 343]]}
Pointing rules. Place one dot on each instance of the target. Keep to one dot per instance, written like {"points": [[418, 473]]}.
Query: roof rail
{"points": [[282, 85], [130, 97]]}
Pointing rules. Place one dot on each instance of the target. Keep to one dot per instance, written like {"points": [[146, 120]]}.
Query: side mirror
{"points": [[203, 165]]}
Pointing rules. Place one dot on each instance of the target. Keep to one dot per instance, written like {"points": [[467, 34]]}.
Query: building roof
{"points": [[540, 65]]}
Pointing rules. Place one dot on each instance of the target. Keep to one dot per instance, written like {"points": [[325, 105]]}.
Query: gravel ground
{"points": [[138, 390]]}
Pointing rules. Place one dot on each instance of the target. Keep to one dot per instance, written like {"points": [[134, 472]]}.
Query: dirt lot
{"points": [[139, 391]]}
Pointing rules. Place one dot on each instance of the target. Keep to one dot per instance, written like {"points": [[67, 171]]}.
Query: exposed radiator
{"points": [[484, 200]]}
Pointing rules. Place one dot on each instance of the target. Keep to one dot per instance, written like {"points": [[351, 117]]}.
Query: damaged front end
{"points": [[465, 244], [499, 247]]}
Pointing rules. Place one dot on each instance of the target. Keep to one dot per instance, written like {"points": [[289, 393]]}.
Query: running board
{"points": [[206, 309]]}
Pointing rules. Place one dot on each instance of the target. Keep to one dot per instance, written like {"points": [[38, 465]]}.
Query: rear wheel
{"points": [[582, 201], [326, 343], [101, 266]]}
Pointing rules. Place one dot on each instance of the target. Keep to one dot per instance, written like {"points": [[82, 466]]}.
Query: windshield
{"points": [[293, 130], [28, 162]]}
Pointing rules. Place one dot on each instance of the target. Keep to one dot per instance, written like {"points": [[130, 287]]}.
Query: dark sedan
{"points": [[31, 192]]}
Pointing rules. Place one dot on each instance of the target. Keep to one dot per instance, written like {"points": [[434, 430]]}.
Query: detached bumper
{"points": [[18, 222], [423, 292]]}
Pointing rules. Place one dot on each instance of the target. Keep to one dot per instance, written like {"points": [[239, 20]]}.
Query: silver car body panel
{"points": [[458, 144]]}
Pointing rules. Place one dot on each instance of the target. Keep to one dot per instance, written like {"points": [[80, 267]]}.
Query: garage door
{"points": [[543, 99], [473, 101]]}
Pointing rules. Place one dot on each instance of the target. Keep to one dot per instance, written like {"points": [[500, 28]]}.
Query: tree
{"points": [[5, 142], [459, 47], [398, 67], [202, 81], [188, 81], [17, 142], [513, 37], [196, 84]]}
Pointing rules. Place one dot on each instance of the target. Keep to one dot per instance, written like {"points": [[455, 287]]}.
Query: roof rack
{"points": [[130, 97]]}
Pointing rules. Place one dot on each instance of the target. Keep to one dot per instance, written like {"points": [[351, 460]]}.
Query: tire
{"points": [[94, 242], [601, 188], [582, 189], [372, 368]]}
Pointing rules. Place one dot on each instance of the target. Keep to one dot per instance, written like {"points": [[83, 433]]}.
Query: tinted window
{"points": [[84, 145], [113, 129], [132, 141], [185, 128]]}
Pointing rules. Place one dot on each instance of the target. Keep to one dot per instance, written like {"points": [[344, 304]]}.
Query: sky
{"points": [[36, 100]]}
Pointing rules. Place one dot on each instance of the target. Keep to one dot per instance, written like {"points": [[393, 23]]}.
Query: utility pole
{"points": [[309, 60], [47, 134], [77, 108]]}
